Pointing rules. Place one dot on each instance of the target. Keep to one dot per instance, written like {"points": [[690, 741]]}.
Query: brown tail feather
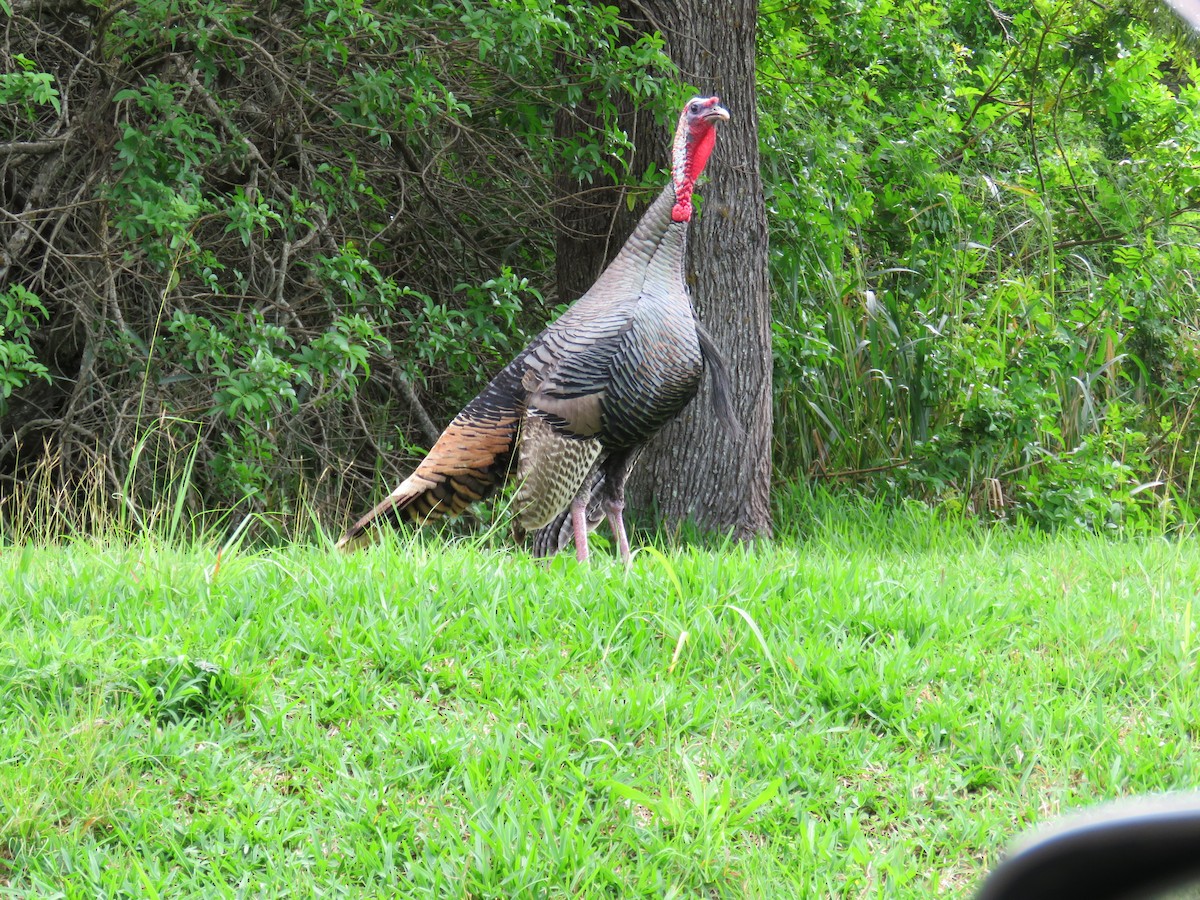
{"points": [[469, 461]]}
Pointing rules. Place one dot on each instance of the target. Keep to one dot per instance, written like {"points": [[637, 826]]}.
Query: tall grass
{"points": [[157, 489]]}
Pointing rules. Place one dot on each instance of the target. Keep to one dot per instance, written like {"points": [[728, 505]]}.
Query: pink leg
{"points": [[614, 509], [579, 525]]}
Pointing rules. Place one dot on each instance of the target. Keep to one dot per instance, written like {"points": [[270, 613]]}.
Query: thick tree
{"points": [[694, 470]]}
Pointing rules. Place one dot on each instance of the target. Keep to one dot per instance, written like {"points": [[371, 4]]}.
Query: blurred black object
{"points": [[1130, 849]]}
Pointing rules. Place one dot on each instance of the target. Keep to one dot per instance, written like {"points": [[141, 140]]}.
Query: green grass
{"points": [[873, 710]]}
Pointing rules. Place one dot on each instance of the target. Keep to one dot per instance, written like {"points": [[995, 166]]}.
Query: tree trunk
{"points": [[694, 470]]}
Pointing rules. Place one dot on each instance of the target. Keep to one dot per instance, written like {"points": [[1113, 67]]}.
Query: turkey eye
{"points": [[695, 107]]}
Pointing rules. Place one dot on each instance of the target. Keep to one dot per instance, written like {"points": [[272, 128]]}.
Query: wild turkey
{"points": [[576, 406]]}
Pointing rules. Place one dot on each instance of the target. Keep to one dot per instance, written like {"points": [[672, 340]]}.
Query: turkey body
{"points": [[567, 417]]}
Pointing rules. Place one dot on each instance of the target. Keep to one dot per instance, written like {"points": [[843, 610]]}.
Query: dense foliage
{"points": [[984, 225], [226, 216], [221, 217]]}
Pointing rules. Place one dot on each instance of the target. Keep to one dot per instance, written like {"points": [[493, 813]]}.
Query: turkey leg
{"points": [[614, 509], [579, 525]]}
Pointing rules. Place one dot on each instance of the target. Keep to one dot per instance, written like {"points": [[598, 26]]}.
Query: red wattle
{"points": [[682, 210], [693, 165], [701, 151]]}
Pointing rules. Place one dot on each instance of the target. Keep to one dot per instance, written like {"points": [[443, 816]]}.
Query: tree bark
{"points": [[694, 470]]}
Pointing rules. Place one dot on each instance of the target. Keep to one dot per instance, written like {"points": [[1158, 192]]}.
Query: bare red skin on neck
{"points": [[699, 148]]}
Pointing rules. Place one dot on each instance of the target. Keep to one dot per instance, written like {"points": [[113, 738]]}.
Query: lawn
{"points": [[873, 709]]}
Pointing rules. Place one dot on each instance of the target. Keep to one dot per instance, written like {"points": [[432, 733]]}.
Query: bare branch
{"points": [[32, 148], [55, 7]]}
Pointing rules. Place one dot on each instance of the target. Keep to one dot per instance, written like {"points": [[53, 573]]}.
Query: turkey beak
{"points": [[717, 112]]}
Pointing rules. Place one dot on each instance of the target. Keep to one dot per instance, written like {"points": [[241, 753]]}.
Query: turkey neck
{"points": [[658, 367], [657, 244]]}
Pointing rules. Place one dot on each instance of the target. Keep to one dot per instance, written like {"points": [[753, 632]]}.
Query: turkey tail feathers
{"points": [[467, 463], [718, 373]]}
